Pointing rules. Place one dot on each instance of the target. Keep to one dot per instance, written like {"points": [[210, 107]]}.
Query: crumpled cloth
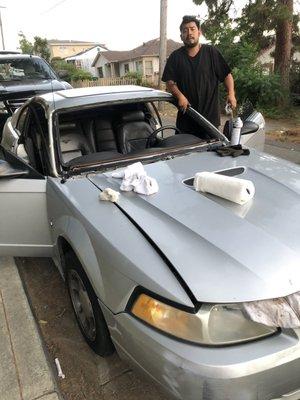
{"points": [[283, 312], [233, 151], [135, 178], [109, 194]]}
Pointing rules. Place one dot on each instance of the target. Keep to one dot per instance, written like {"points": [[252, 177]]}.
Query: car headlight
{"points": [[220, 324]]}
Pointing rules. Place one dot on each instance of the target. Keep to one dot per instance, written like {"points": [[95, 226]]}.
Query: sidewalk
{"points": [[25, 373]]}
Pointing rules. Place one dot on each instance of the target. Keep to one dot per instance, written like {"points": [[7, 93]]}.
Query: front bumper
{"points": [[262, 370]]}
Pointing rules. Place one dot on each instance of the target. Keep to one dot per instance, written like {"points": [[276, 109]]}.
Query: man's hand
{"points": [[183, 103], [232, 100]]}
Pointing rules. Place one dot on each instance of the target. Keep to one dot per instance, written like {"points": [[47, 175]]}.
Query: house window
{"points": [[126, 68], [139, 66], [148, 68], [78, 63], [100, 72]]}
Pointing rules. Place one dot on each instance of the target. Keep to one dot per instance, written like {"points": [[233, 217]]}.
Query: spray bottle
{"points": [[237, 125]]}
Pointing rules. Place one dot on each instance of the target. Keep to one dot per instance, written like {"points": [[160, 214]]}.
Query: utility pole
{"points": [[163, 38], [2, 36]]}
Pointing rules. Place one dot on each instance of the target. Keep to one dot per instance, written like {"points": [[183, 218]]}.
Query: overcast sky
{"points": [[119, 24]]}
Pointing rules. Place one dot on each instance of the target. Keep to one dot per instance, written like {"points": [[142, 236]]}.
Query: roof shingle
{"points": [[150, 48]]}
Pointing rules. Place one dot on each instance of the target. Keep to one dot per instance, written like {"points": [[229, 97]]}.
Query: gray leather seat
{"points": [[101, 134], [132, 132], [73, 142]]}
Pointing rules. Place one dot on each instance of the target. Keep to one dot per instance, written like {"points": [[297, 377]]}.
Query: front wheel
{"points": [[87, 310]]}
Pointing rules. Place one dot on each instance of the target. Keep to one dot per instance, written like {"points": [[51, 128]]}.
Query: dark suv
{"points": [[22, 76]]}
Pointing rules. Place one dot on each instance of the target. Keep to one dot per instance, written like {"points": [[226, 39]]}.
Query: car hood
{"points": [[223, 251], [28, 88]]}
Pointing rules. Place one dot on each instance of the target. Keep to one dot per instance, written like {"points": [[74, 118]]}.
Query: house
{"points": [[143, 59], [84, 59], [266, 57], [67, 48]]}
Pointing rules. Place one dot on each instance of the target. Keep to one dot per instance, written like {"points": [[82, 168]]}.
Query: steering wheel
{"points": [[156, 132]]}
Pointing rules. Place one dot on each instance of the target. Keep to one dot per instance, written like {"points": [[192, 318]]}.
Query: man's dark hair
{"points": [[189, 18]]}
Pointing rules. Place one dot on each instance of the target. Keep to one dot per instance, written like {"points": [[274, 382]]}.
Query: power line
{"points": [[55, 5]]}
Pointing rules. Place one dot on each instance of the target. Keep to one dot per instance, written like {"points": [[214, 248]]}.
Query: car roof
{"points": [[3, 52], [99, 94], [16, 56]]}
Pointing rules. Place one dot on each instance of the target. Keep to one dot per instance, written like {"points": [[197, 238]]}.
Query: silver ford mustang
{"points": [[161, 278]]}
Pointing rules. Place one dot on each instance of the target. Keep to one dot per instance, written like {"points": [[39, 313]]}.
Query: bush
{"points": [[295, 82], [72, 72], [135, 75], [254, 84]]}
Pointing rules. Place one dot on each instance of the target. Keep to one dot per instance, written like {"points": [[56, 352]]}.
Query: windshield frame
{"points": [[217, 140]]}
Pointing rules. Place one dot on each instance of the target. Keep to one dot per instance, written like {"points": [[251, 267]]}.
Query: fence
{"points": [[149, 81]]}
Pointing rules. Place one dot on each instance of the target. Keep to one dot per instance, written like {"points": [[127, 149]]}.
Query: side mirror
{"points": [[249, 127], [9, 171], [63, 74]]}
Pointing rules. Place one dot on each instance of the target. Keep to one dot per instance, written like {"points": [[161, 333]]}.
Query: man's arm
{"points": [[183, 102], [229, 85]]}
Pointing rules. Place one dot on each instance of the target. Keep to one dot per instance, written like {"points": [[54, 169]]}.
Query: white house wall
{"points": [[266, 58], [155, 61], [131, 67], [85, 60], [101, 63], [296, 56]]}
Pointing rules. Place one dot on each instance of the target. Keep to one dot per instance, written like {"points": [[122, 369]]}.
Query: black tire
{"points": [[96, 334]]}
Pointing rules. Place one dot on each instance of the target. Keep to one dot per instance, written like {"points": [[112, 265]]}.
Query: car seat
{"points": [[73, 142], [132, 132]]}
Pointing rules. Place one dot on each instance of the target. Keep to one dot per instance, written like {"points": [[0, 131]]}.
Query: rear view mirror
{"points": [[8, 171], [63, 74]]}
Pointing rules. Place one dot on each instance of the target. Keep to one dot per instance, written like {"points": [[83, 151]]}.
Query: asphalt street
{"points": [[87, 376], [287, 151]]}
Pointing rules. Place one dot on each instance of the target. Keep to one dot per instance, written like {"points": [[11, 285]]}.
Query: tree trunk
{"points": [[283, 46]]}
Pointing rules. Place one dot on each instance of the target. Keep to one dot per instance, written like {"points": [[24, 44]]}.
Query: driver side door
{"points": [[24, 227]]}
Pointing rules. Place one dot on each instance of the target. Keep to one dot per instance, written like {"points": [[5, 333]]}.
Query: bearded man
{"points": [[193, 73]]}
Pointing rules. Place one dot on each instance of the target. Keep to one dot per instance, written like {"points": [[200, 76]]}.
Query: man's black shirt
{"points": [[198, 79]]}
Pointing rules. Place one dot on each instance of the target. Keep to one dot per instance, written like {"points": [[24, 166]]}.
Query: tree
{"points": [[260, 17], [283, 47], [39, 47], [72, 73], [218, 20], [25, 46]]}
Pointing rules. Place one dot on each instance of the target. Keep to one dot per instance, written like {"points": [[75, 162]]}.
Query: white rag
{"points": [[283, 312], [238, 190], [135, 178], [109, 194], [136, 169]]}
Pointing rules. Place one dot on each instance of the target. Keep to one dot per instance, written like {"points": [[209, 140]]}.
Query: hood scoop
{"points": [[226, 172]]}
